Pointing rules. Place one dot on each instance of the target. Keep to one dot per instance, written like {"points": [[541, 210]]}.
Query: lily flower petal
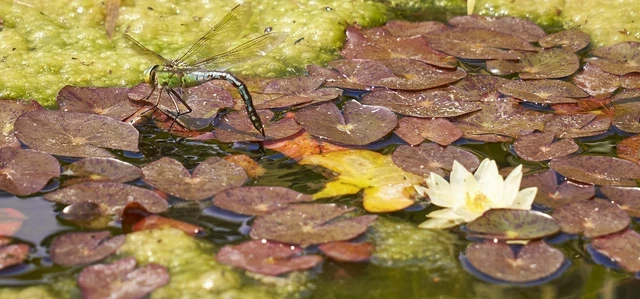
{"points": [[439, 223], [511, 186], [525, 198], [439, 191]]}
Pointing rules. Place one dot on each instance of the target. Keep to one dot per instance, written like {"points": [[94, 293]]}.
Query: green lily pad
{"points": [[415, 130], [258, 200], [24, 172], [543, 91], [627, 198], [572, 40], [541, 146], [592, 218], [522, 28], [108, 101], [597, 170], [102, 169], [553, 195], [474, 43], [84, 248], [347, 251], [429, 103], [430, 157], [622, 248], [618, 59], [509, 224]]}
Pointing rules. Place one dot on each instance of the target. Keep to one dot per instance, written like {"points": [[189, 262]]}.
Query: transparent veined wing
{"points": [[147, 50]]}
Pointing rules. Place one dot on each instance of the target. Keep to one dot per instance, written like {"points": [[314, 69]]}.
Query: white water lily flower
{"points": [[468, 196]]}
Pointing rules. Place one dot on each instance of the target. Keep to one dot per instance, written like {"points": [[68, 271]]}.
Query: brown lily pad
{"points": [[553, 195], [415, 130], [618, 59], [352, 73], [622, 248], [258, 200], [24, 172], [429, 103], [13, 254], [410, 74], [83, 248], [627, 198], [522, 28], [347, 251], [477, 88], [108, 101], [577, 125], [402, 28], [593, 218], [208, 178], [598, 170], [541, 146], [296, 91], [430, 157], [572, 40], [543, 91], [629, 148], [102, 169], [474, 43], [510, 224], [9, 112], [627, 116], [236, 127], [596, 82], [546, 64], [85, 214]]}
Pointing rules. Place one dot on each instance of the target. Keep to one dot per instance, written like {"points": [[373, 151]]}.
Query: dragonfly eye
{"points": [[150, 75]]}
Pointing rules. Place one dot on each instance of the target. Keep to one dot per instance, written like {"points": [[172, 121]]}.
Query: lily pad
{"points": [[522, 28], [9, 112], [532, 262], [596, 82], [121, 279], [209, 177], [13, 254], [543, 91], [296, 91], [415, 130], [75, 134], [236, 126], [591, 105], [102, 169], [429, 103], [83, 248], [618, 59], [10, 222], [622, 248], [629, 148], [598, 170], [308, 224], [477, 88], [302, 144], [508, 224], [627, 198], [541, 146], [474, 43], [258, 200], [553, 195], [108, 101], [353, 126], [546, 64], [268, 258], [593, 218], [110, 196], [352, 73], [158, 222], [572, 40], [86, 215], [410, 74], [347, 251], [430, 157], [402, 28], [577, 125], [24, 172], [250, 166], [626, 116]]}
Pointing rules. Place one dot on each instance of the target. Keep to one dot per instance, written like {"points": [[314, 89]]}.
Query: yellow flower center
{"points": [[477, 203]]}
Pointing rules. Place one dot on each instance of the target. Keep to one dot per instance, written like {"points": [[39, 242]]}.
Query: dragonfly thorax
{"points": [[150, 75]]}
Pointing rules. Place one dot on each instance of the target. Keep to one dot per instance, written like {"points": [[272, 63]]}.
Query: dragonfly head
{"points": [[150, 75]]}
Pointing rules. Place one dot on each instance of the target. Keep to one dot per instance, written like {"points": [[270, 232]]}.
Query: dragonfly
{"points": [[208, 57]]}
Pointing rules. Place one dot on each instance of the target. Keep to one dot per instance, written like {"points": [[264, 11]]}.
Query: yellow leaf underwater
{"points": [[386, 187]]}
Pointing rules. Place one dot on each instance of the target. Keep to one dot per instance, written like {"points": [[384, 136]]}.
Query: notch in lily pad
{"points": [[541, 146], [510, 224], [552, 195], [623, 248]]}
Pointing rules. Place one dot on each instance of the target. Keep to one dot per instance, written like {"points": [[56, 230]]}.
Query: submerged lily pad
{"points": [[415, 130], [236, 126], [474, 43], [24, 172], [546, 64], [622, 248], [83, 248], [268, 258], [598, 170], [543, 91], [10, 222], [593, 218], [9, 112], [540, 146], [308, 224], [347, 251], [108, 101], [627, 198], [572, 40], [353, 126], [121, 279], [402, 28], [258, 200], [13, 254], [532, 262], [430, 157], [86, 215], [429, 103], [209, 177], [618, 59], [553, 195], [75, 134], [102, 169], [508, 224], [522, 28], [158, 222]]}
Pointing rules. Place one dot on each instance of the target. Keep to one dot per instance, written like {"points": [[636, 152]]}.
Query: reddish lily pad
{"points": [[618, 59], [414, 130], [121, 279], [626, 116], [236, 126], [301, 145], [156, 222], [540, 146], [477, 88], [108, 101], [534, 261], [598, 170], [592, 105], [288, 92], [522, 28], [347, 251], [402, 28], [258, 200], [9, 112], [308, 224], [627, 198], [509, 224], [593, 218], [10, 221], [429, 103], [543, 91], [410, 74], [546, 64], [473, 43], [268, 258], [353, 126], [209, 177], [553, 195], [13, 254], [430, 157], [577, 125], [75, 134], [629, 149], [110, 196], [572, 40], [24, 172], [596, 82], [84, 248], [622, 248], [102, 169], [352, 73]]}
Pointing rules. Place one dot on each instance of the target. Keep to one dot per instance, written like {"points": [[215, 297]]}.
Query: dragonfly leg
{"points": [[174, 95]]}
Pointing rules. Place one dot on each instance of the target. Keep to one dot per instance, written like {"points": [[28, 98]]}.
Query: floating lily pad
{"points": [[508, 224], [258, 200], [430, 157], [353, 126], [75, 134], [553, 195], [410, 74], [414, 130], [543, 91], [627, 198], [86, 215], [288, 92], [473, 43], [268, 258], [477, 88], [108, 101], [541, 146], [9, 112], [250, 166], [572, 40], [577, 125], [627, 116], [102, 169], [598, 170], [308, 224], [618, 59], [622, 248], [301, 145], [522, 28], [110, 196], [546, 64], [352, 73], [402, 28], [10, 221], [347, 251], [593, 218], [236, 126], [629, 149], [534, 261], [23, 172], [209, 177], [599, 107], [121, 279], [429, 103], [84, 248], [13, 254]]}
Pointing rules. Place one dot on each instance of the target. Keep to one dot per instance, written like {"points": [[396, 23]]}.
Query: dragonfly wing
{"points": [[251, 50], [146, 50], [218, 39]]}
